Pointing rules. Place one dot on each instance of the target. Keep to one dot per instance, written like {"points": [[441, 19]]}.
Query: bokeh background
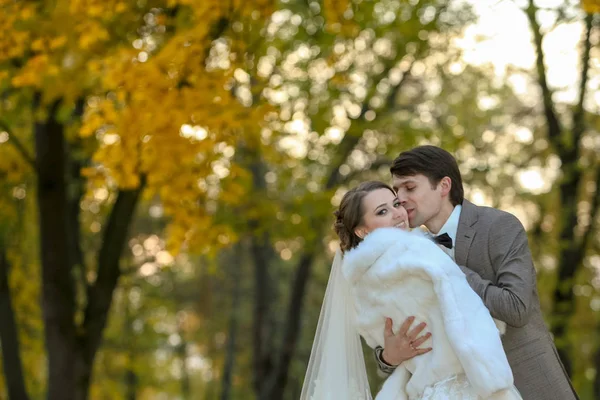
{"points": [[169, 169]]}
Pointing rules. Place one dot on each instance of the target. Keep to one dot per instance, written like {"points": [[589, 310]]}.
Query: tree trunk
{"points": [[76, 189], [131, 382], [131, 379], [233, 326], [275, 386], [596, 388], [58, 304], [71, 351], [570, 258], [262, 256], [182, 352], [572, 248], [567, 147], [9, 339]]}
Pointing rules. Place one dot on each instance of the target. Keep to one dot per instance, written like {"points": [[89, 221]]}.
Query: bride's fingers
{"points": [[418, 352], [419, 341], [388, 328], [416, 331], [405, 326]]}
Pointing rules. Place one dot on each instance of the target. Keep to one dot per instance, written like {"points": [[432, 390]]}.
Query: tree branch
{"points": [[273, 389], [579, 113], [353, 136], [19, 146], [554, 128], [378, 163], [391, 98], [589, 235], [101, 292], [9, 338]]}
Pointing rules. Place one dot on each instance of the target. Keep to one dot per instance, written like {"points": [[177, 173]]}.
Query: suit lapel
{"points": [[465, 232]]}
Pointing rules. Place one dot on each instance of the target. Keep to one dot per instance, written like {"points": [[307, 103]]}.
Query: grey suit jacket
{"points": [[492, 249], [492, 246]]}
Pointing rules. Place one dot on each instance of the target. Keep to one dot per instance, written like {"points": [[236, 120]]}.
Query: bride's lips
{"points": [[401, 225]]}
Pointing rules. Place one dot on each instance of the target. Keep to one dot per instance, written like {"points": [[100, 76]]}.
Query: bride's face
{"points": [[382, 209]]}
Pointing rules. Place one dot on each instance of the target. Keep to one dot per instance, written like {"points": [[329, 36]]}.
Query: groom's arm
{"points": [[509, 299], [381, 363]]}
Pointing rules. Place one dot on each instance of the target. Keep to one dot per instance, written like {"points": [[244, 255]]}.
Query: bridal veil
{"points": [[336, 369]]}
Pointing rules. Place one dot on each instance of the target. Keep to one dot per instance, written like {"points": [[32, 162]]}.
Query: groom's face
{"points": [[422, 200]]}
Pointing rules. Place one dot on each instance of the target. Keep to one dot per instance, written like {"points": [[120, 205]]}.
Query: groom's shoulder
{"points": [[491, 212], [494, 216]]}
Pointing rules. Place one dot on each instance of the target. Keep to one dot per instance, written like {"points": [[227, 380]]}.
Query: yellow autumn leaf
{"points": [[27, 13], [58, 42], [38, 45], [591, 6]]}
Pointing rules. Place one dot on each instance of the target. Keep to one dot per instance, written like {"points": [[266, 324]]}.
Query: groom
{"points": [[491, 248]]}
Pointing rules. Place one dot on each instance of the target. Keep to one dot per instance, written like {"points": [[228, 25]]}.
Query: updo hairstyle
{"points": [[351, 212]]}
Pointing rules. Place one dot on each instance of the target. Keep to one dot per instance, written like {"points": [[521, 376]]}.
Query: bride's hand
{"points": [[405, 344]]}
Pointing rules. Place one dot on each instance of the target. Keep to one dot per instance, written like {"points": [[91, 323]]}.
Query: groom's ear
{"points": [[445, 185]]}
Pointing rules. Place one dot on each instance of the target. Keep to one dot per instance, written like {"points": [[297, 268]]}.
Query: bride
{"points": [[388, 272]]}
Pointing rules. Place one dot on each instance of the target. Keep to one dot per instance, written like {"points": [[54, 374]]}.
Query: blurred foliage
{"points": [[249, 120]]}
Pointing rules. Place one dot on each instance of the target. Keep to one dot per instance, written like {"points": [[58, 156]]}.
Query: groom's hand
{"points": [[403, 345]]}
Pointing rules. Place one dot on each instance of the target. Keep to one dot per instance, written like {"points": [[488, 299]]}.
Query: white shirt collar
{"points": [[451, 225], [451, 228]]}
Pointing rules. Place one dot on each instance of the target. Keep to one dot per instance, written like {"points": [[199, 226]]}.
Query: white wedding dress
{"points": [[396, 274]]}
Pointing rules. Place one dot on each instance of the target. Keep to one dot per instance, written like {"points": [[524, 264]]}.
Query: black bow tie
{"points": [[443, 239]]}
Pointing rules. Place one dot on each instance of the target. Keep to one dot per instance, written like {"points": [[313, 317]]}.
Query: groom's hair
{"points": [[433, 162]]}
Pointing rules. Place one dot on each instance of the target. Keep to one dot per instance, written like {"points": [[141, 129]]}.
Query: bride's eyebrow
{"points": [[379, 206]]}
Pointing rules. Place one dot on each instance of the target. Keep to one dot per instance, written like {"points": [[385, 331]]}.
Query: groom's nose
{"points": [[401, 197]]}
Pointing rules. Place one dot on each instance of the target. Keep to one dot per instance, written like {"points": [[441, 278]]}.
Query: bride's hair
{"points": [[350, 213]]}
